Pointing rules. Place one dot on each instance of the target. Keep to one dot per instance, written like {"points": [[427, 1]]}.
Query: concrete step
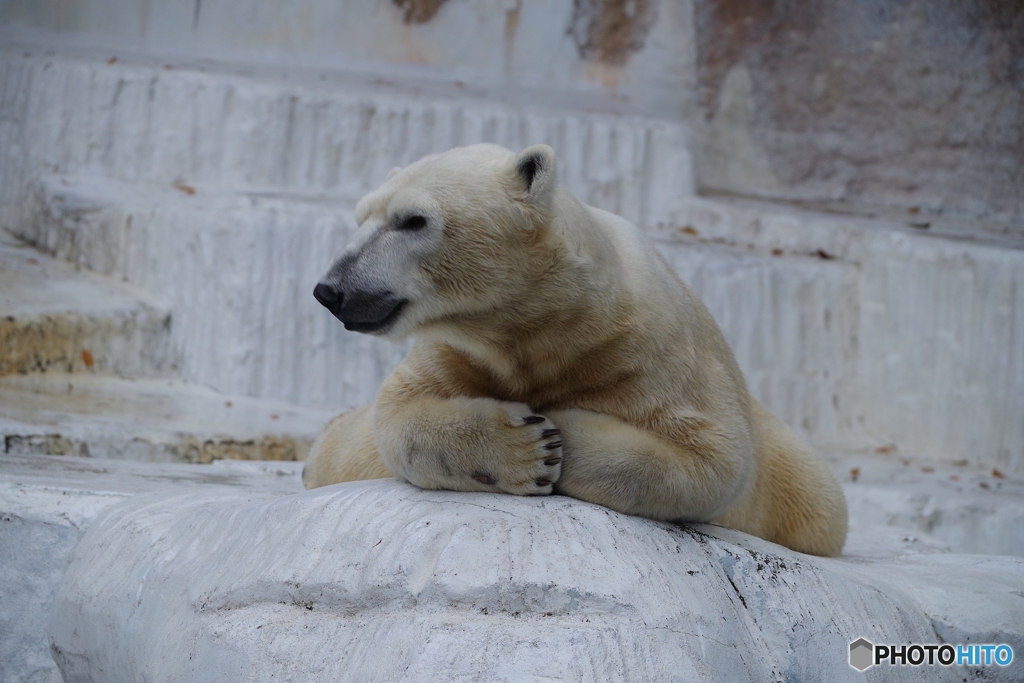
{"points": [[322, 133], [154, 420], [238, 270], [857, 332], [963, 506], [917, 343], [56, 318]]}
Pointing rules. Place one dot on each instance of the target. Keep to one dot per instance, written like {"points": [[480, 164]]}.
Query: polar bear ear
{"points": [[393, 172], [535, 169]]}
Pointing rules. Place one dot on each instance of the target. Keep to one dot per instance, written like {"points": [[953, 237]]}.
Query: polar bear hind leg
{"points": [[795, 501]]}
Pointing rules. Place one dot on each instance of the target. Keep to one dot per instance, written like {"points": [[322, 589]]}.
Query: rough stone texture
{"points": [[46, 503], [503, 48], [910, 103], [55, 318], [418, 11], [239, 270], [45, 506], [386, 582], [326, 136], [153, 420], [609, 31]]}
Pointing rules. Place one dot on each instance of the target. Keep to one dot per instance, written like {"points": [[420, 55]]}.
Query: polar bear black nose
{"points": [[328, 296]]}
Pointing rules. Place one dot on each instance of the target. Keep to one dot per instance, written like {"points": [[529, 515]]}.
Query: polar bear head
{"points": [[450, 239]]}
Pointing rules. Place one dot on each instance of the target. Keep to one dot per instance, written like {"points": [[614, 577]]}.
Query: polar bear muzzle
{"points": [[360, 311]]}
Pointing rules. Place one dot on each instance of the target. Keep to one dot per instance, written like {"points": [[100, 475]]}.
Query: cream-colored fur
{"points": [[556, 352]]}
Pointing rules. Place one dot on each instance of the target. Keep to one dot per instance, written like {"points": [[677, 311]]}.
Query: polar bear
{"points": [[555, 352]]}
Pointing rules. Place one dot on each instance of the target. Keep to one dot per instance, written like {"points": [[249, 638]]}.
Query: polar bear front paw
{"points": [[527, 456]]}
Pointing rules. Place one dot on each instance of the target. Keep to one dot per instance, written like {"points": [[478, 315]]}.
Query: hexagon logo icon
{"points": [[861, 654]]}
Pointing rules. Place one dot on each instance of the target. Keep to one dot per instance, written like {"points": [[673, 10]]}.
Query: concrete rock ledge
{"points": [[379, 581], [154, 420], [47, 503], [54, 317]]}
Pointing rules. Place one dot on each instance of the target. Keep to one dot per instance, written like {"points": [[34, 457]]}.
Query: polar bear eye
{"points": [[412, 223]]}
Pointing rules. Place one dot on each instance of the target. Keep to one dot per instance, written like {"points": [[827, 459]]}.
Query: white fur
{"points": [[525, 303]]}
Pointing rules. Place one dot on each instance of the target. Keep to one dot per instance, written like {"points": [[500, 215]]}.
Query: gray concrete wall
{"points": [[636, 55], [913, 104]]}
